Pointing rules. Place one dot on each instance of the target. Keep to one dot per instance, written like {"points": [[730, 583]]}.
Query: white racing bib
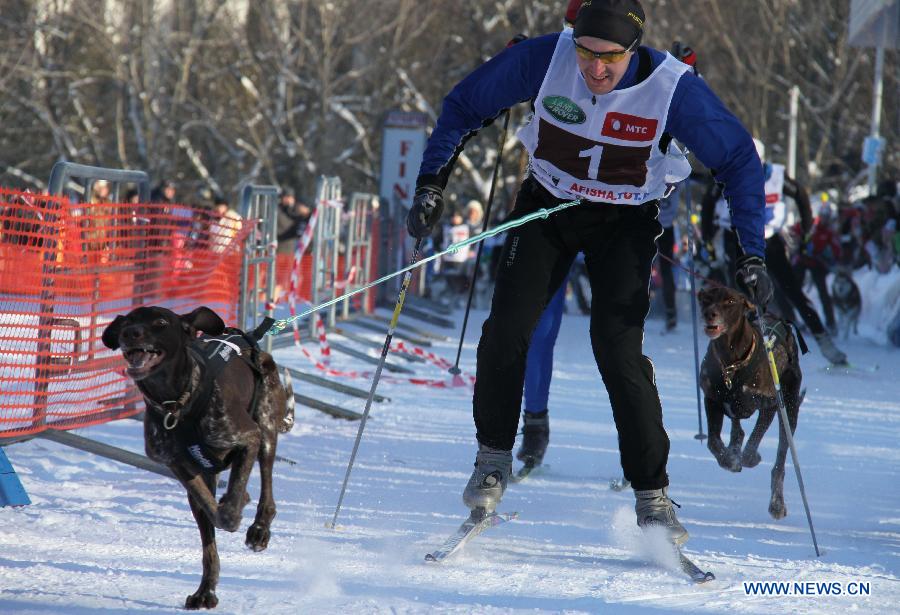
{"points": [[776, 210], [601, 147], [455, 234]]}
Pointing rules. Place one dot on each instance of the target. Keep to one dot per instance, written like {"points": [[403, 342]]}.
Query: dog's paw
{"points": [[729, 461], [718, 450], [733, 458], [228, 515], [258, 536], [750, 459], [777, 508], [228, 519], [201, 599]]}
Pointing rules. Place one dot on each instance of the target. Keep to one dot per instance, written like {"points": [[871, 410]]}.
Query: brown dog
{"points": [[212, 403], [736, 381]]}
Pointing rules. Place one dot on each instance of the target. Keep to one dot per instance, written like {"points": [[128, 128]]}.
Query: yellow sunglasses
{"points": [[606, 57]]}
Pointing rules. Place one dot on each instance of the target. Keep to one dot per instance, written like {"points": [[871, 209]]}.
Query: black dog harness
{"points": [[779, 328], [211, 354]]}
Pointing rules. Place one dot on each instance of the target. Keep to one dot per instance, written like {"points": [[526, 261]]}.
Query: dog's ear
{"points": [[747, 304], [701, 294], [202, 319], [111, 333]]}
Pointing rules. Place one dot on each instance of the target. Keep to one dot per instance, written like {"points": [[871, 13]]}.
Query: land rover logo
{"points": [[563, 109]]}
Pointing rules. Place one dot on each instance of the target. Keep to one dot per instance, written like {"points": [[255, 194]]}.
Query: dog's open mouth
{"points": [[142, 360], [714, 329]]}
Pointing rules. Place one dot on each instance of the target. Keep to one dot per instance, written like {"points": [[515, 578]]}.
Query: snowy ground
{"points": [[102, 537]]}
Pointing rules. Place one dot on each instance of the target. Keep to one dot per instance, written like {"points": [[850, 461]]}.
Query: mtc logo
{"points": [[629, 127]]}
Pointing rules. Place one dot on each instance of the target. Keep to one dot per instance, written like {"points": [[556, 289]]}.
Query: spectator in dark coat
{"points": [[293, 216]]}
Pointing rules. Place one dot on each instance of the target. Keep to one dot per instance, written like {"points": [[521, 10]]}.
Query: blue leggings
{"points": [[539, 364]]}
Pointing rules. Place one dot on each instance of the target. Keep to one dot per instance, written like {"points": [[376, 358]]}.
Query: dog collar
{"points": [[171, 409], [728, 371]]}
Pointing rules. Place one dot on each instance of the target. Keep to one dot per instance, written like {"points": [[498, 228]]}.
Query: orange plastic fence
{"points": [[67, 269]]}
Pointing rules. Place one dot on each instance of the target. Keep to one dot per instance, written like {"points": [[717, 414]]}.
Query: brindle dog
{"points": [[199, 426], [736, 381]]}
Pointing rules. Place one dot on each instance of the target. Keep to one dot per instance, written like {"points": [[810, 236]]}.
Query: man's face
{"points": [[169, 192], [601, 78]]}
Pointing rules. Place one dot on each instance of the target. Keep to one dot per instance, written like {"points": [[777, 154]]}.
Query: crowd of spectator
{"points": [[172, 219], [868, 234], [852, 235]]}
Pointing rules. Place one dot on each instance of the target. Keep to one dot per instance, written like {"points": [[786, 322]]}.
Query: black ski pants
{"points": [[619, 243], [819, 271], [787, 284]]}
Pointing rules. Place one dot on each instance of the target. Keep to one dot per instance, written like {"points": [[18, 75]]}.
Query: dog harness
{"points": [[779, 328], [211, 354]]}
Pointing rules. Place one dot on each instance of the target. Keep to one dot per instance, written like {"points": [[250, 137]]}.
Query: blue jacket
{"points": [[697, 118]]}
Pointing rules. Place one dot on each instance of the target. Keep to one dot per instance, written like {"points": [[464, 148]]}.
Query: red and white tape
{"points": [[294, 288], [324, 348], [458, 380]]}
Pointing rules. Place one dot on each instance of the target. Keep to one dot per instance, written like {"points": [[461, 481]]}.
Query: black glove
{"points": [[426, 210], [753, 280]]}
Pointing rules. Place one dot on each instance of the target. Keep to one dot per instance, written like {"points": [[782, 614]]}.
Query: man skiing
{"points": [[539, 362], [602, 105]]}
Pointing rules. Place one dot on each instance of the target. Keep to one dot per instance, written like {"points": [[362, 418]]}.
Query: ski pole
{"points": [[690, 208], [484, 224], [384, 352], [281, 324], [785, 423]]}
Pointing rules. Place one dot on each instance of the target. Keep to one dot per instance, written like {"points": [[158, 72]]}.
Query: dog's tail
{"points": [[288, 421]]}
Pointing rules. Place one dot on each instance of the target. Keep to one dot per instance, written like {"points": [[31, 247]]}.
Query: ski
{"points": [[692, 570], [477, 523], [850, 368]]}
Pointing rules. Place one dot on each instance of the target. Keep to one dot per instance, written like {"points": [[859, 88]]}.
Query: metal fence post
{"points": [[358, 252], [259, 206], [326, 245]]}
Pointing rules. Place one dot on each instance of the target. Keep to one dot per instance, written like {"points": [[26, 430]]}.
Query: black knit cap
{"points": [[617, 21]]}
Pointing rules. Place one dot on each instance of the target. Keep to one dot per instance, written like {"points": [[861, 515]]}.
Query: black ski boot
{"points": [[535, 437]]}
